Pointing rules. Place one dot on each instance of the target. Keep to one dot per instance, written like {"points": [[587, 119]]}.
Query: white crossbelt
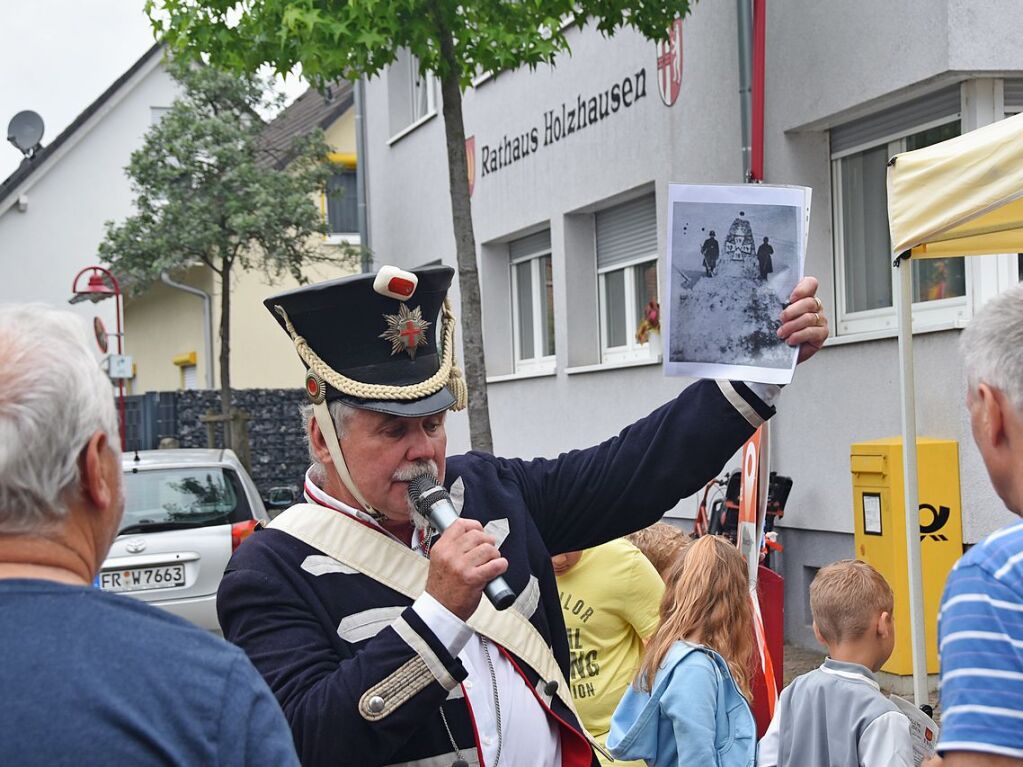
{"points": [[396, 566]]}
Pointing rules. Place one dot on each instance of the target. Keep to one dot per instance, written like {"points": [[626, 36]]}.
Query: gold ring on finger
{"points": [[820, 306]]}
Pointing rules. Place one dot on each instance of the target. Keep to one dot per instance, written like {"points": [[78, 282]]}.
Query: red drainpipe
{"points": [[757, 118]]}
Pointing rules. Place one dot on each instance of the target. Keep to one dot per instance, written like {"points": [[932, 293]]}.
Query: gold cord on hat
{"points": [[448, 374]]}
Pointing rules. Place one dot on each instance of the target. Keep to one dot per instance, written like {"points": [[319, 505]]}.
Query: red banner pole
{"points": [[759, 44]]}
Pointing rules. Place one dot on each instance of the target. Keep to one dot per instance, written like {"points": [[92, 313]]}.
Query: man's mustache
{"points": [[415, 469]]}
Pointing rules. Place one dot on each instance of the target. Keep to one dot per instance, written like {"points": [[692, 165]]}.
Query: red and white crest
{"points": [[669, 64], [406, 330]]}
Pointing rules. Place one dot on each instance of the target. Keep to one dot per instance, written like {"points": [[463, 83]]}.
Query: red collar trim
{"points": [[319, 497]]}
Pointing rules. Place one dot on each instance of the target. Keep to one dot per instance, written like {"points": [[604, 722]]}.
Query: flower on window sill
{"points": [[651, 322]]}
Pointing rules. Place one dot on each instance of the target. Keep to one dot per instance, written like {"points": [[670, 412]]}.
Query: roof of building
{"points": [[29, 166], [309, 111]]}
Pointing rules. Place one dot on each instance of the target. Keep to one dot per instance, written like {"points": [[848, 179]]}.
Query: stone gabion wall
{"points": [[276, 432]]}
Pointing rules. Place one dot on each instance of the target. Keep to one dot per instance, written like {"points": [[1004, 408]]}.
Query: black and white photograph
{"points": [[734, 255]]}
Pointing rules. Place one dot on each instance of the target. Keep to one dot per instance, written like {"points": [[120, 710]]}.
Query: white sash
{"points": [[396, 566]]}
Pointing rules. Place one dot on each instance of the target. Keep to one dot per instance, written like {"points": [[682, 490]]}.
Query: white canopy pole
{"points": [[902, 289]]}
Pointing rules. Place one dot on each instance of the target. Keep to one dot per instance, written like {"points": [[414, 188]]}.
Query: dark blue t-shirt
{"points": [[89, 678]]}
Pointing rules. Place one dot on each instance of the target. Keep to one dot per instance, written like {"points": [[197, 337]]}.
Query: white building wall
{"points": [[78, 188], [827, 63], [832, 58], [984, 37]]}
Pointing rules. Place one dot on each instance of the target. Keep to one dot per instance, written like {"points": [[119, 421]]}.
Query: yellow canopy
{"points": [[962, 197]]}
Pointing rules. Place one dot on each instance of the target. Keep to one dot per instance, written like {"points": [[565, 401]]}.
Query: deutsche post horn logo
{"points": [[939, 518]]}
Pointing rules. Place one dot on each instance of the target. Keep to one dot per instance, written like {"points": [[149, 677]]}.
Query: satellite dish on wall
{"points": [[25, 131]]}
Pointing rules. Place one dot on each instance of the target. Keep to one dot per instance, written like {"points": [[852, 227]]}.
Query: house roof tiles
{"points": [[308, 112]]}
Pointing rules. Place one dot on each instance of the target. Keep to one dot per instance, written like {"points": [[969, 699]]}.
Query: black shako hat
{"points": [[382, 342]]}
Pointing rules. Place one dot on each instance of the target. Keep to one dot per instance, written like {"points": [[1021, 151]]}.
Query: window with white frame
{"points": [[342, 203], [411, 95], [860, 153], [189, 377], [532, 289], [626, 243]]}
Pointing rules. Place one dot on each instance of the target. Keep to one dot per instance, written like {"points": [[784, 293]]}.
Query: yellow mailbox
{"points": [[880, 529]]}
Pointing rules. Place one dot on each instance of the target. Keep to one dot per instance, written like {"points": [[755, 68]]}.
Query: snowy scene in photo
{"points": [[734, 255]]}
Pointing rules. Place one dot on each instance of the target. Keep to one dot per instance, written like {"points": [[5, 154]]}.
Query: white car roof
{"points": [[182, 457]]}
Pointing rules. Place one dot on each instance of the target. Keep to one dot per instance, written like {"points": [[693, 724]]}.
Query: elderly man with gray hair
{"points": [[89, 677], [980, 631]]}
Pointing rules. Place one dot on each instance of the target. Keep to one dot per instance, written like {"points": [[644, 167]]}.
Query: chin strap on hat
{"points": [[322, 414], [447, 375]]}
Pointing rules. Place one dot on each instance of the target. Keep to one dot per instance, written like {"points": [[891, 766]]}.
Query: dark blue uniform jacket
{"points": [[285, 609]]}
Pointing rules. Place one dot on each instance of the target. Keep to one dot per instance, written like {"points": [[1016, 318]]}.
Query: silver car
{"points": [[186, 511]]}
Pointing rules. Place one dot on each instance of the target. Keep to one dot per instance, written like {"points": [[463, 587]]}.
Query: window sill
{"points": [[405, 131], [886, 333], [525, 374], [342, 239], [614, 365]]}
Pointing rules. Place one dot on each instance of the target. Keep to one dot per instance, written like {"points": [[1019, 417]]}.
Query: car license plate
{"points": [[141, 578]]}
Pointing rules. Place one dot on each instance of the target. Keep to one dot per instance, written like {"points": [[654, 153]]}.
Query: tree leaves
{"points": [[333, 39], [456, 41], [208, 190]]}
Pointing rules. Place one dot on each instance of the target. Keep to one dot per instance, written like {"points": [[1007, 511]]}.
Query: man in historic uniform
{"points": [[709, 250], [368, 626], [764, 253]]}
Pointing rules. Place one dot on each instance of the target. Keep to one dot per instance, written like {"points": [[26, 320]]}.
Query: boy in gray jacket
{"points": [[836, 716]]}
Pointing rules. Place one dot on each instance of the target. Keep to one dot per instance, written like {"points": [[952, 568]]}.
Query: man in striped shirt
{"points": [[981, 621]]}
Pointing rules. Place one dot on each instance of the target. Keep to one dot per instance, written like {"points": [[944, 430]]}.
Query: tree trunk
{"points": [[465, 251], [225, 348]]}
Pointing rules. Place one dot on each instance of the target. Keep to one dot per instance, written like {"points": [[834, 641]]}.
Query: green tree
{"points": [[452, 39], [209, 191]]}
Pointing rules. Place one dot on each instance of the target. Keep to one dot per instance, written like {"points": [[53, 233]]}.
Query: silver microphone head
{"points": [[425, 485]]}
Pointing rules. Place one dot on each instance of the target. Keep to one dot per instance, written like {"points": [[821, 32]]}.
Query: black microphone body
{"points": [[434, 502]]}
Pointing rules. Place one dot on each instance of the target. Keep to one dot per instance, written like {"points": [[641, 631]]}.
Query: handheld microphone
{"points": [[434, 503]]}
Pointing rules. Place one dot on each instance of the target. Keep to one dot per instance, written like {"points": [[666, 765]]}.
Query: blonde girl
{"points": [[689, 704]]}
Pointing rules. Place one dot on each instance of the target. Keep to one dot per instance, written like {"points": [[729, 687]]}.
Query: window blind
{"points": [[897, 121], [530, 245], [626, 232]]}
